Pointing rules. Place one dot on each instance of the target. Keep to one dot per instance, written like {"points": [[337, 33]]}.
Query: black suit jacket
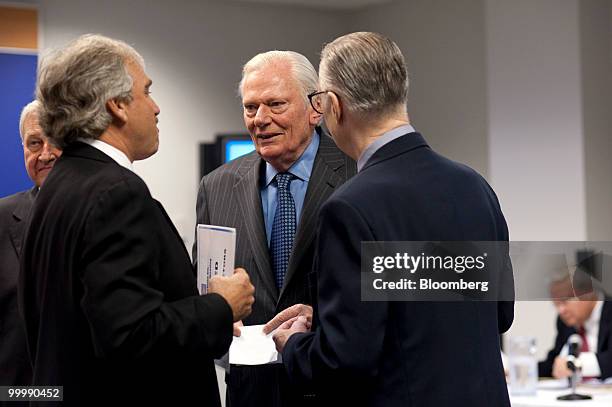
{"points": [[15, 368], [402, 353], [604, 344], [109, 294], [230, 196]]}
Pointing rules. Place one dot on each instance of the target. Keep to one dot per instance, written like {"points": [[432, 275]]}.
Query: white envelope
{"points": [[216, 253]]}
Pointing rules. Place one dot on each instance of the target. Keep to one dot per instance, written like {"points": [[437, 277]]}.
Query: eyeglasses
{"points": [[315, 100]]}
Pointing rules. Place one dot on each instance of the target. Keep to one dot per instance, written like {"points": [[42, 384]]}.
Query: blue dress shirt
{"points": [[301, 169], [381, 141]]}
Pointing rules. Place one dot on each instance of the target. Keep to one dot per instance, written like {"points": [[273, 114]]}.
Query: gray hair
{"points": [[31, 108], [74, 84], [367, 70], [303, 71]]}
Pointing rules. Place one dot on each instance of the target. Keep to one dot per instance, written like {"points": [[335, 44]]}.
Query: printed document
{"points": [[216, 253]]}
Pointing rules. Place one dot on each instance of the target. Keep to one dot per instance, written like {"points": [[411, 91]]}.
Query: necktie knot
{"points": [[283, 179]]}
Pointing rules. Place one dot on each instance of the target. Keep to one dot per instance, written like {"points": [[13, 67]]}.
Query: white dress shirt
{"points": [[113, 152]]}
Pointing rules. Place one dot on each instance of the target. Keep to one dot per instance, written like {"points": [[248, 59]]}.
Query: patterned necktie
{"points": [[283, 228]]}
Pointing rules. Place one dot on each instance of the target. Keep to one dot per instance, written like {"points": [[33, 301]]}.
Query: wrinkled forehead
{"points": [[31, 125], [273, 79]]}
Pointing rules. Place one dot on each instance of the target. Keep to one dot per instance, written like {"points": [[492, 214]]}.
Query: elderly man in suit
{"points": [[401, 353], [272, 197], [586, 312], [39, 156], [107, 288]]}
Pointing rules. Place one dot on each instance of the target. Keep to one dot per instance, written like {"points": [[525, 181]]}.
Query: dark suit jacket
{"points": [[604, 344], [109, 294], [230, 196], [402, 353], [15, 368]]}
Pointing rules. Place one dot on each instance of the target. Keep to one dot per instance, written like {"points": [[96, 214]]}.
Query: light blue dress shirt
{"points": [[301, 169], [381, 141]]}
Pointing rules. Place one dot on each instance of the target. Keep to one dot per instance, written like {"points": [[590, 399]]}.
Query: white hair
{"points": [[31, 108], [303, 71]]}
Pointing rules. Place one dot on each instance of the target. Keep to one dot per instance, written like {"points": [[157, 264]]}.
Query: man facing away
{"points": [[272, 197], [384, 353], [39, 156], [107, 288]]}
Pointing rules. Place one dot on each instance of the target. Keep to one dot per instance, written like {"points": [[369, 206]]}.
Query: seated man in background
{"points": [[587, 314], [39, 156]]}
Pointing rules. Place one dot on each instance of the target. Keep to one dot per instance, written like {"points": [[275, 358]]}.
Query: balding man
{"points": [[272, 197], [383, 353], [39, 155]]}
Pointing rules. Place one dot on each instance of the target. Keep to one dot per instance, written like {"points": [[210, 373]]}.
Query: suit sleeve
{"points": [[128, 314], [605, 363], [202, 217], [348, 342]]}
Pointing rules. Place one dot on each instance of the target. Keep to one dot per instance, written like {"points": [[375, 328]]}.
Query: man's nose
{"points": [[262, 117], [47, 154]]}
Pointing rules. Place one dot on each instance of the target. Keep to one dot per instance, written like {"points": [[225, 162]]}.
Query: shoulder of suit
{"points": [[233, 170], [334, 157], [9, 203], [99, 176]]}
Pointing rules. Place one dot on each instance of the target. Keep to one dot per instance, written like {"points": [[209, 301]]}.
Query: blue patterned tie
{"points": [[283, 228]]}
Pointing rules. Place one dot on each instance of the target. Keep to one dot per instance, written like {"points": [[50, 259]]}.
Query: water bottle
{"points": [[523, 366]]}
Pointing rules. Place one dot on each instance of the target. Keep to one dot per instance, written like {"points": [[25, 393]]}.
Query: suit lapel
{"points": [[604, 328], [323, 181], [249, 199], [20, 214]]}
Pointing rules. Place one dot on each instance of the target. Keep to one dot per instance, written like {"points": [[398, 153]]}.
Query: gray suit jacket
{"points": [[15, 368], [230, 196]]}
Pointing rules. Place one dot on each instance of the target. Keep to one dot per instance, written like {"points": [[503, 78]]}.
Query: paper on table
{"points": [[252, 347]]}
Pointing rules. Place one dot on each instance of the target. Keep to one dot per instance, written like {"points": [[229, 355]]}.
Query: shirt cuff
{"points": [[590, 365]]}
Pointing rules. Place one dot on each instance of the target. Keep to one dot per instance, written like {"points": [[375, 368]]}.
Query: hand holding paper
{"points": [[289, 314], [237, 290], [283, 333]]}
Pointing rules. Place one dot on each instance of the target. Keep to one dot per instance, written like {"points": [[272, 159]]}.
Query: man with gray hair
{"points": [[107, 288], [39, 155], [384, 353], [272, 197]]}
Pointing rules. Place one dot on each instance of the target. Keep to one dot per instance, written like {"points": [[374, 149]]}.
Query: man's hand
{"points": [[237, 326], [560, 369], [237, 291], [288, 328], [288, 314]]}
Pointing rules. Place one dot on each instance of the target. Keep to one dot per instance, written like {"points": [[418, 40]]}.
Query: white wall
{"points": [[194, 51], [595, 43], [444, 45]]}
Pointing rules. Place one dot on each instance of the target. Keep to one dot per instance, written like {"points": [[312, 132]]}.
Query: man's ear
{"points": [[336, 107], [314, 118], [118, 110]]}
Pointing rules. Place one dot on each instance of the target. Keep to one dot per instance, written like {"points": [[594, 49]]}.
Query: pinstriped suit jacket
{"points": [[230, 196]]}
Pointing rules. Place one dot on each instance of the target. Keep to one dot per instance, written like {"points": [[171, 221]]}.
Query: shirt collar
{"points": [[381, 141], [113, 152], [302, 168], [594, 318]]}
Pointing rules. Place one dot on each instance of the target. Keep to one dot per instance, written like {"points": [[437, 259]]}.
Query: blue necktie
{"points": [[283, 228]]}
